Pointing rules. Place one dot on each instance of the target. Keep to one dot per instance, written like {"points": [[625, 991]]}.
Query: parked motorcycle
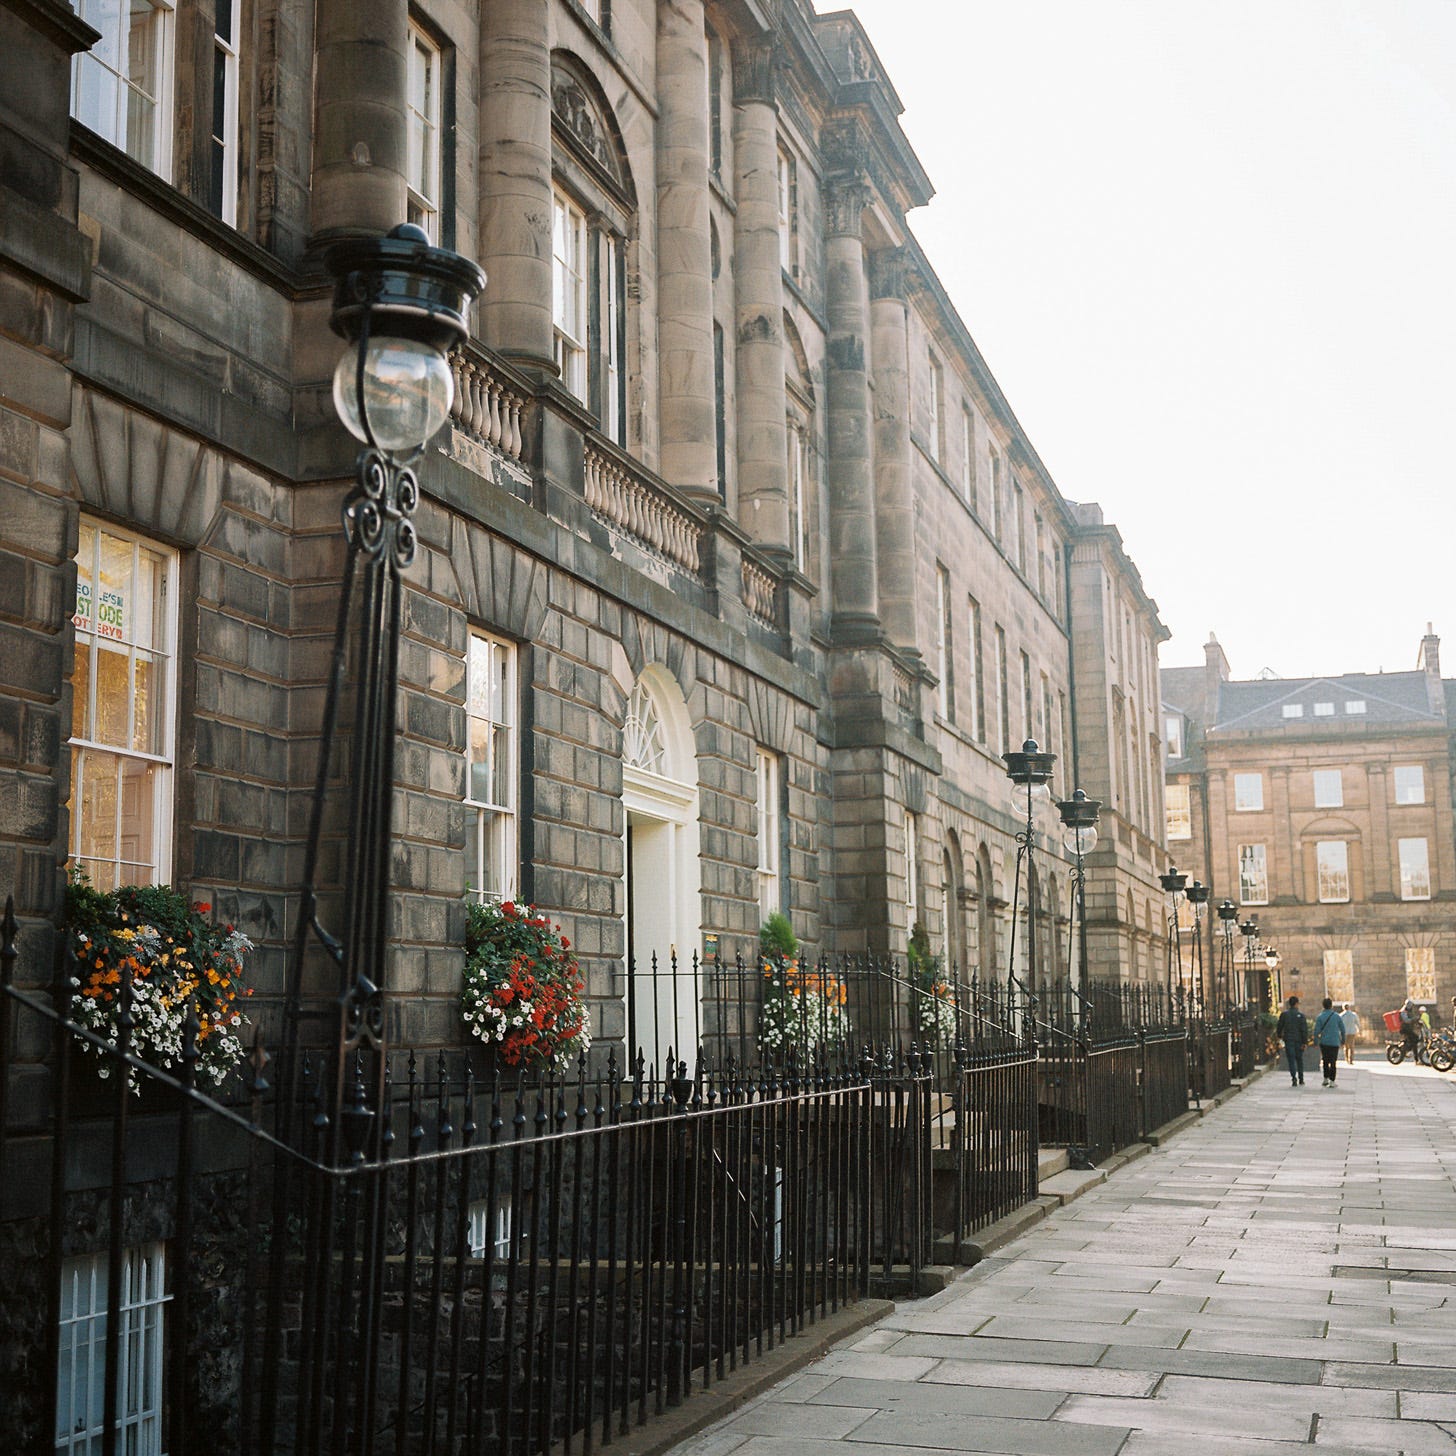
{"points": [[1437, 1050]]}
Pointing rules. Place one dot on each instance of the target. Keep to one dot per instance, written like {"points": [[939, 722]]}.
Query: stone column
{"points": [[515, 180], [854, 597], [894, 502], [1291, 874], [764, 507], [684, 257], [360, 138]]}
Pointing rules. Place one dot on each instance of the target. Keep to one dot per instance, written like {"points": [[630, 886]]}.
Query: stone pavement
{"points": [[1279, 1276]]}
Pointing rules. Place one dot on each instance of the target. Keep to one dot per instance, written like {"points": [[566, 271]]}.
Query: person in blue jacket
{"points": [[1329, 1032]]}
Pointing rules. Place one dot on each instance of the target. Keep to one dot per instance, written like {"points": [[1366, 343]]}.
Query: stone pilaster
{"points": [[855, 592], [894, 493], [515, 180], [360, 137], [684, 257], [763, 485], [1286, 869], [1381, 882]]}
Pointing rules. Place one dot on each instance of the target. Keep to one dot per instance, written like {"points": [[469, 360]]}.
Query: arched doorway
{"points": [[660, 797], [953, 871]]}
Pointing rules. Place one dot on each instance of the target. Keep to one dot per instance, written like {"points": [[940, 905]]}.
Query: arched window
{"points": [[593, 222], [953, 871]]}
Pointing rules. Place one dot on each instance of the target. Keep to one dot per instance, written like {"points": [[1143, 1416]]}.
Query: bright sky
{"points": [[1208, 248]]}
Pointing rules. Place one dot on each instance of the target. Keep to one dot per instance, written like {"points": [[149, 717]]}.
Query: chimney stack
{"points": [[1431, 665]]}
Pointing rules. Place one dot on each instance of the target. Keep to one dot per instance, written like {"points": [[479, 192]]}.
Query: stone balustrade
{"points": [[637, 508], [485, 408], [760, 594]]}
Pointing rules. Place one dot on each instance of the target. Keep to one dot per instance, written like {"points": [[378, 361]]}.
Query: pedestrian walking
{"points": [[1351, 1019], [1329, 1032], [1293, 1030]]}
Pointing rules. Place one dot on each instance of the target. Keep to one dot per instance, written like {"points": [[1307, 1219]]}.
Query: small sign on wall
{"points": [[710, 948]]}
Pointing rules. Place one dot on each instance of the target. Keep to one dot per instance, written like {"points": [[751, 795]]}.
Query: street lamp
{"points": [[1030, 771], [1197, 894], [1250, 931], [1173, 882], [1079, 838], [400, 304], [1228, 917], [1271, 960]]}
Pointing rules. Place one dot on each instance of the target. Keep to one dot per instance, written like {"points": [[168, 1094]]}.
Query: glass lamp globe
{"points": [[1040, 794], [1080, 839], [408, 389]]}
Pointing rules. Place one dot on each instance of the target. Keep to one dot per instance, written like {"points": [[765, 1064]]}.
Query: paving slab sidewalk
{"points": [[1279, 1277]]}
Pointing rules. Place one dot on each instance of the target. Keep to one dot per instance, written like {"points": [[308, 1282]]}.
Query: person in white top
{"points": [[1351, 1020]]}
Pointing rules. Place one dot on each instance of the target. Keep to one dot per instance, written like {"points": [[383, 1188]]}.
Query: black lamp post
{"points": [[1029, 770], [1250, 931], [1173, 882], [400, 304], [1228, 916], [1197, 894], [1079, 838]]}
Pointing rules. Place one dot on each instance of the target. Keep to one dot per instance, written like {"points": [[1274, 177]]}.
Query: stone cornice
{"points": [[58, 23], [111, 162]]}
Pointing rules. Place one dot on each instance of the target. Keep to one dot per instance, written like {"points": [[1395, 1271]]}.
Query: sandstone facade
{"points": [[755, 513]]}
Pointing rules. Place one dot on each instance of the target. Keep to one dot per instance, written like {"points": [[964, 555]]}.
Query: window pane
{"points": [[1410, 784], [1415, 870], [1253, 875], [1248, 791], [1180, 818], [1420, 973], [1329, 790], [1332, 857]]}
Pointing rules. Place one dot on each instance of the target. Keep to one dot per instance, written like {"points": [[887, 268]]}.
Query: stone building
{"points": [[1322, 807], [737, 571]]}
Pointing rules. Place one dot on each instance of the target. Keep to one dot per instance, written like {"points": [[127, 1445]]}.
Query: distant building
{"points": [[1322, 807]]}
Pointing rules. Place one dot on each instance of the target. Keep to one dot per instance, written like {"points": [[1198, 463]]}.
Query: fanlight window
{"points": [[643, 745]]}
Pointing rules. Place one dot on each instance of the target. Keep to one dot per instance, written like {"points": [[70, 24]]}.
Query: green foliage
{"points": [[776, 939]]}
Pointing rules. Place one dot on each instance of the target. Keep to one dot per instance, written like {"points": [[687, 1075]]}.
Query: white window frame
{"points": [[109, 62], [1178, 811], [1173, 733], [912, 868], [1253, 874], [483, 1231], [1415, 868], [81, 1366], [1355, 705], [1329, 788], [1413, 790], [1293, 710], [225, 60], [422, 115], [492, 828], [942, 643], [614, 412], [788, 196], [976, 686], [770, 849], [936, 399], [968, 456], [1324, 710], [1332, 871], [1248, 793], [799, 468], [1003, 693], [570, 299], [86, 751]]}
